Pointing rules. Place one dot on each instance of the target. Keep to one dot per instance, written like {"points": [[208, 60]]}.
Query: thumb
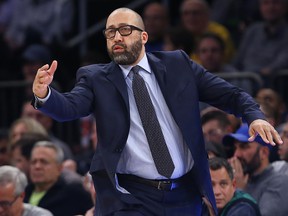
{"points": [[52, 68], [253, 135]]}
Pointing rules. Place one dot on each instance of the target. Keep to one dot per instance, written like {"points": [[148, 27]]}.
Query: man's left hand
{"points": [[265, 130]]}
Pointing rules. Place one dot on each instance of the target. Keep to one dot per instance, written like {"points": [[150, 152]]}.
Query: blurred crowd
{"points": [[231, 38]]}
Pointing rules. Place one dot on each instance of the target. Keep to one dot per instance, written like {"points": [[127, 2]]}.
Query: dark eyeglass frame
{"points": [[132, 28], [7, 204]]}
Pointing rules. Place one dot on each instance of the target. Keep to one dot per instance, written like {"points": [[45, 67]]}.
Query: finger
{"points": [[263, 133], [270, 138], [44, 67], [238, 166], [277, 137], [252, 138], [52, 68], [41, 71]]}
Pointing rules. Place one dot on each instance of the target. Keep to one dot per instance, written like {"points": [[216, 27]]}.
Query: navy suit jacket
{"points": [[101, 90]]}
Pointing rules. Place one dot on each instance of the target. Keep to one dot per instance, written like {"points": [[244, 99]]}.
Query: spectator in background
{"points": [[156, 21], [194, 16], [282, 164], [269, 97], [4, 154], [254, 173], [263, 48], [215, 125], [21, 155], [283, 149], [211, 54], [6, 13], [230, 201], [214, 150], [33, 57], [48, 189], [45, 21], [47, 122], [12, 187], [178, 38], [21, 151], [24, 125]]}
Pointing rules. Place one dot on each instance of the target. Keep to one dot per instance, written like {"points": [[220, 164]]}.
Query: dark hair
{"points": [[27, 142], [214, 37], [218, 115], [181, 39], [217, 163], [217, 149]]}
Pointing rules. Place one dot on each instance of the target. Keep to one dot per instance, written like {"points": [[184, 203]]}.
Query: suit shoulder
{"points": [[163, 54], [176, 55], [93, 70]]}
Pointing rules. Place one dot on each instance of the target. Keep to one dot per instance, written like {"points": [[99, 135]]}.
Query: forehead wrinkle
{"points": [[118, 25], [125, 14]]}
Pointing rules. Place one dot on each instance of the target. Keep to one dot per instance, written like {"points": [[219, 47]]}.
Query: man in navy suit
{"points": [[126, 179]]}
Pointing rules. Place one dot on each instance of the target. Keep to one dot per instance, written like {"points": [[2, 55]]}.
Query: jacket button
{"points": [[119, 150]]}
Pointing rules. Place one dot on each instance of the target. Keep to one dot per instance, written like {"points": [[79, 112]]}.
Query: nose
{"points": [[238, 153], [118, 36], [216, 190]]}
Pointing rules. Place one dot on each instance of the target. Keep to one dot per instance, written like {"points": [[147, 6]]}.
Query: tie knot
{"points": [[135, 69]]}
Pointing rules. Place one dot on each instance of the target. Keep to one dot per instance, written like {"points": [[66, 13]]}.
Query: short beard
{"points": [[127, 58], [253, 165]]}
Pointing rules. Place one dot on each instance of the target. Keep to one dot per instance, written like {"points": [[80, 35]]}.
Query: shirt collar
{"points": [[143, 64]]}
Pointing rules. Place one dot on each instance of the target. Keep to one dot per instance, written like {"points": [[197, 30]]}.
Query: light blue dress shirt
{"points": [[136, 157]]}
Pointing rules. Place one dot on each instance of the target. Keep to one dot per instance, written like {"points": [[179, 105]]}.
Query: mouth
{"points": [[118, 48], [218, 201]]}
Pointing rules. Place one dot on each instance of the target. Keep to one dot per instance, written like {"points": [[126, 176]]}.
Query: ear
{"points": [[265, 151], [22, 195], [234, 183], [144, 36], [60, 167]]}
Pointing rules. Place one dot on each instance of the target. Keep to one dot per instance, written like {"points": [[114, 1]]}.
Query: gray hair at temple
{"points": [[57, 149], [10, 174]]}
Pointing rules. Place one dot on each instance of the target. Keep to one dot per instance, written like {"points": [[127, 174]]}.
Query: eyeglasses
{"points": [[7, 204], [123, 30], [213, 133]]}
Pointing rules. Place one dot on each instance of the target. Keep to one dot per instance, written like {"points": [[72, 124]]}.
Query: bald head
{"points": [[134, 17]]}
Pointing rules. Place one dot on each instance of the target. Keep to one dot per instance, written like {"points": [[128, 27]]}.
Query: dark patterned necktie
{"points": [[157, 144]]}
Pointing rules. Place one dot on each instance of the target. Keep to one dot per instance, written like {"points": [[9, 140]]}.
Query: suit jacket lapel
{"points": [[115, 75], [159, 70]]}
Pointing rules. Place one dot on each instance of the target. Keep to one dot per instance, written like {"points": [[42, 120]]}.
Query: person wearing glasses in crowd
{"points": [[130, 175], [12, 187]]}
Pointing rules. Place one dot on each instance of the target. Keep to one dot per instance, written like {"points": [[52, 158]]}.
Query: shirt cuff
{"points": [[40, 101]]}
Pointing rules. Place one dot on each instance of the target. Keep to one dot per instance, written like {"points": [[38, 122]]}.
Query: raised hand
{"points": [[43, 79], [265, 130]]}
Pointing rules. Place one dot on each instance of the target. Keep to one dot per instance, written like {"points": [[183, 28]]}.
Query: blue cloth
{"points": [[242, 135]]}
